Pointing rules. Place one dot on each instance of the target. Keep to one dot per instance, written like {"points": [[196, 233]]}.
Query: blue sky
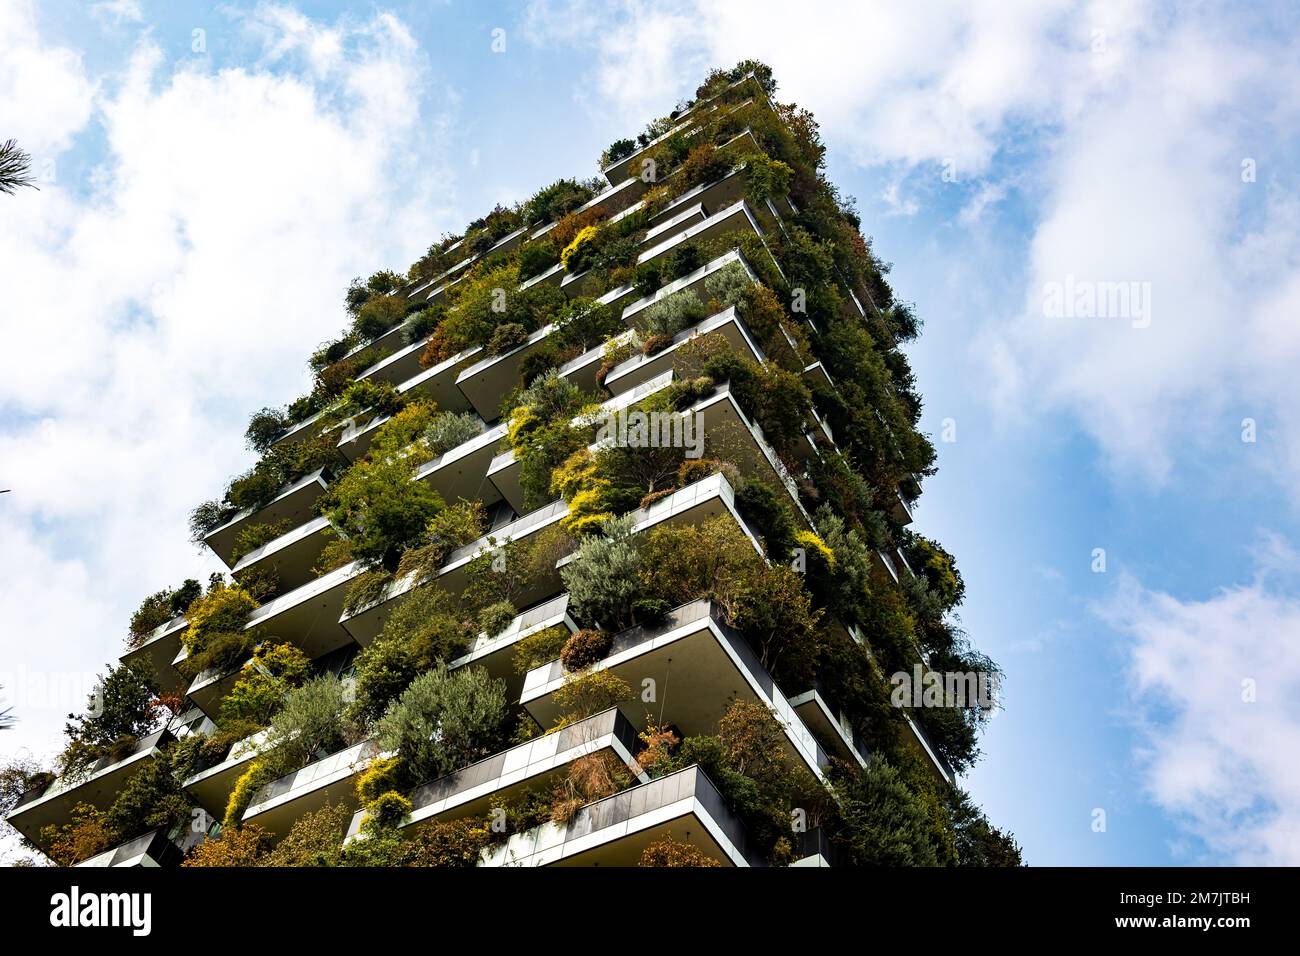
{"points": [[202, 211]]}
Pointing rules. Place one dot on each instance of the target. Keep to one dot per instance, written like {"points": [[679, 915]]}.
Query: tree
{"points": [[604, 580], [122, 709], [445, 720], [309, 724], [15, 168], [885, 822]]}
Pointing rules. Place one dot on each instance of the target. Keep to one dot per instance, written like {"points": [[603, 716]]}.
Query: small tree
{"points": [[445, 720]]}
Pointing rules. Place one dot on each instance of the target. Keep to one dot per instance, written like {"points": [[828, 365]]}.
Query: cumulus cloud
{"points": [[150, 309], [1214, 685]]}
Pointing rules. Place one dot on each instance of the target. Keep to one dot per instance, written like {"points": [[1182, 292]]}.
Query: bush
{"points": [[587, 693], [445, 720], [496, 617], [585, 648], [264, 428], [448, 430], [729, 285], [275, 669], [224, 609], [540, 648], [236, 846], [618, 150], [885, 822], [505, 337], [669, 316], [670, 853], [536, 257], [316, 839], [575, 254], [308, 725], [705, 164], [378, 315], [603, 581], [380, 777]]}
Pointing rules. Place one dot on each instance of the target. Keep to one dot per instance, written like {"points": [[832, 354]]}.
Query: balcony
{"points": [[698, 665], [582, 369], [693, 281], [366, 623], [329, 781], [461, 472], [829, 725], [308, 616], [292, 556], [210, 788], [487, 380], [734, 218], [637, 369], [151, 849], [159, 649], [495, 653], [99, 786], [685, 806], [534, 765], [211, 686], [295, 503], [921, 742]]}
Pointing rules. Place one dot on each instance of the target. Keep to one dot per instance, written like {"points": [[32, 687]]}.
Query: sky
{"points": [[1118, 476]]}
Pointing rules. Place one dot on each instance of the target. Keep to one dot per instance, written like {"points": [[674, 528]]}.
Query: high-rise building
{"points": [[590, 545]]}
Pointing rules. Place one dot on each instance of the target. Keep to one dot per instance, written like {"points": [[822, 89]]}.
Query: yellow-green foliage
{"points": [[814, 545], [224, 609], [386, 811], [585, 235], [263, 682], [579, 482], [249, 782], [380, 777], [540, 648]]}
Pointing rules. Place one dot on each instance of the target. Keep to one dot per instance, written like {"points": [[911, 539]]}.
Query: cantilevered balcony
{"points": [[291, 556], [308, 616], [98, 786], [365, 624], [920, 740], [698, 665], [294, 503], [531, 766], [487, 380], [210, 788], [829, 724], [150, 850], [736, 218], [330, 781], [461, 472], [694, 281], [684, 806], [211, 686], [158, 650], [495, 652], [640, 367]]}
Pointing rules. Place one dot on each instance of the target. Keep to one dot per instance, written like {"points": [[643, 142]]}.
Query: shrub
{"points": [[380, 777], [264, 428], [387, 811], [540, 648], [589, 778], [421, 325], [575, 253], [618, 150], [274, 670], [496, 617], [766, 178], [86, 834], [603, 581], [682, 261], [236, 846], [885, 822], [647, 279], [316, 839], [505, 337], [122, 709], [536, 257], [587, 693], [705, 164], [377, 315], [729, 285], [656, 343], [308, 725], [445, 720], [585, 648], [225, 608], [670, 852], [253, 535]]}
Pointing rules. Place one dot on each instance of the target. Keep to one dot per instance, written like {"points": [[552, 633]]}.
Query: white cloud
{"points": [[150, 310], [1138, 117], [1222, 767]]}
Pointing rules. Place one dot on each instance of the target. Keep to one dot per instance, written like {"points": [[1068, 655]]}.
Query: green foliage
{"points": [[264, 427], [886, 823], [375, 504], [540, 648], [536, 257], [122, 709], [308, 726], [445, 720], [603, 580], [669, 316], [316, 839], [496, 617], [421, 632], [447, 430], [224, 609], [377, 315], [263, 684]]}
